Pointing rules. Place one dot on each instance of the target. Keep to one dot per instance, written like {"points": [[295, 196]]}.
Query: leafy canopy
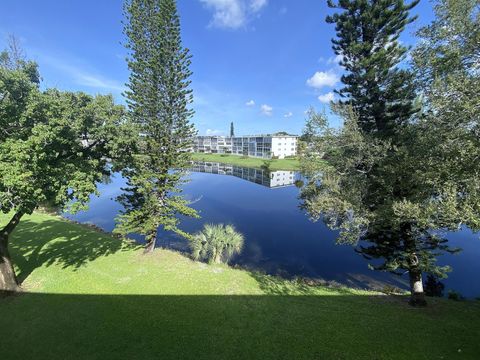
{"points": [[53, 145]]}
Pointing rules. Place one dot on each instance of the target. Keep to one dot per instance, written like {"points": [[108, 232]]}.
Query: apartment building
{"points": [[261, 146]]}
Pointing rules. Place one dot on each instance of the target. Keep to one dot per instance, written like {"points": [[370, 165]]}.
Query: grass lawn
{"points": [[91, 296], [277, 164]]}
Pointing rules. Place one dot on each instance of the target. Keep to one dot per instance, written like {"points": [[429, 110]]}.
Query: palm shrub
{"points": [[216, 243]]}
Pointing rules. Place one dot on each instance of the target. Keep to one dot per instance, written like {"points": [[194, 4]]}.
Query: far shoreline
{"points": [[289, 164]]}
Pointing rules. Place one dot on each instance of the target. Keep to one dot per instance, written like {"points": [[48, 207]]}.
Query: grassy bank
{"points": [[277, 164], [91, 296]]}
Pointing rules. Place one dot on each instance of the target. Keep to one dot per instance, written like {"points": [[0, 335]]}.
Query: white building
{"points": [[262, 146]]}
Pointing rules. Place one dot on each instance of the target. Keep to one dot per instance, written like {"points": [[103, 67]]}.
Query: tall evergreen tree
{"points": [[158, 98], [232, 130], [396, 202], [367, 33]]}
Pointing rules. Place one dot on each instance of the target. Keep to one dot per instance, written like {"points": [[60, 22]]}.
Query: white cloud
{"points": [[335, 59], [266, 110], [233, 14], [250, 103], [211, 132], [257, 5], [288, 114], [322, 78], [326, 98], [81, 76], [95, 81]]}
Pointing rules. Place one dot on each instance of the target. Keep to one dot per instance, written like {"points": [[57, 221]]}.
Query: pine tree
{"points": [[158, 100], [367, 34], [394, 203], [232, 131]]}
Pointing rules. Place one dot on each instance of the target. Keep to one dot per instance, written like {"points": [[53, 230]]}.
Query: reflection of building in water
{"points": [[271, 179]]}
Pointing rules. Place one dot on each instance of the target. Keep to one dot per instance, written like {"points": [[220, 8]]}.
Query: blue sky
{"points": [[258, 63]]}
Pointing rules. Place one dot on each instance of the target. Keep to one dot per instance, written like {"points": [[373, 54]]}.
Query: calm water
{"points": [[279, 238]]}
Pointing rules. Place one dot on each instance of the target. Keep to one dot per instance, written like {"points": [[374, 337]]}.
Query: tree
{"points": [[367, 35], [379, 202], [53, 148], [158, 101], [369, 186], [232, 131], [216, 243], [396, 204]]}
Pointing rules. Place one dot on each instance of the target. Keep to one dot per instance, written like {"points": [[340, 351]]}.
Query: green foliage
{"points": [[367, 34], [53, 145], [387, 203], [336, 192], [433, 287], [455, 295], [449, 46], [232, 130], [266, 164], [216, 243], [13, 58], [446, 62], [395, 191], [158, 98]]}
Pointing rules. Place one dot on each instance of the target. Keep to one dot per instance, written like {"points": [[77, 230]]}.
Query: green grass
{"points": [[91, 296], [276, 164]]}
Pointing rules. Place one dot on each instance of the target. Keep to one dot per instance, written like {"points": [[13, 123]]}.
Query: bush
{"points": [[266, 164], [455, 295], [392, 290], [216, 243], [299, 184], [433, 287]]}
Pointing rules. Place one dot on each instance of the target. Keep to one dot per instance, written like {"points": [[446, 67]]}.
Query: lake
{"points": [[279, 237]]}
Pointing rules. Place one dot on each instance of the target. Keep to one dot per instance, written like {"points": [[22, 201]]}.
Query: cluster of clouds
{"points": [[233, 14], [267, 110], [326, 79]]}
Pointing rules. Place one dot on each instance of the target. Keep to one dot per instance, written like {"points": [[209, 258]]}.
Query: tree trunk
{"points": [[417, 297], [8, 280], [151, 242]]}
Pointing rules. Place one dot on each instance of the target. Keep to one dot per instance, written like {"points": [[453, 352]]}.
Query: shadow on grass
{"points": [[59, 326], [49, 242]]}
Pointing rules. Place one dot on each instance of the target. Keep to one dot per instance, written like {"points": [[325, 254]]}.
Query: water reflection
{"points": [[265, 177], [279, 238]]}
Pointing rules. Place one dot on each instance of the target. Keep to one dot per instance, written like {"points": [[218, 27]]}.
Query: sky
{"points": [[259, 63]]}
